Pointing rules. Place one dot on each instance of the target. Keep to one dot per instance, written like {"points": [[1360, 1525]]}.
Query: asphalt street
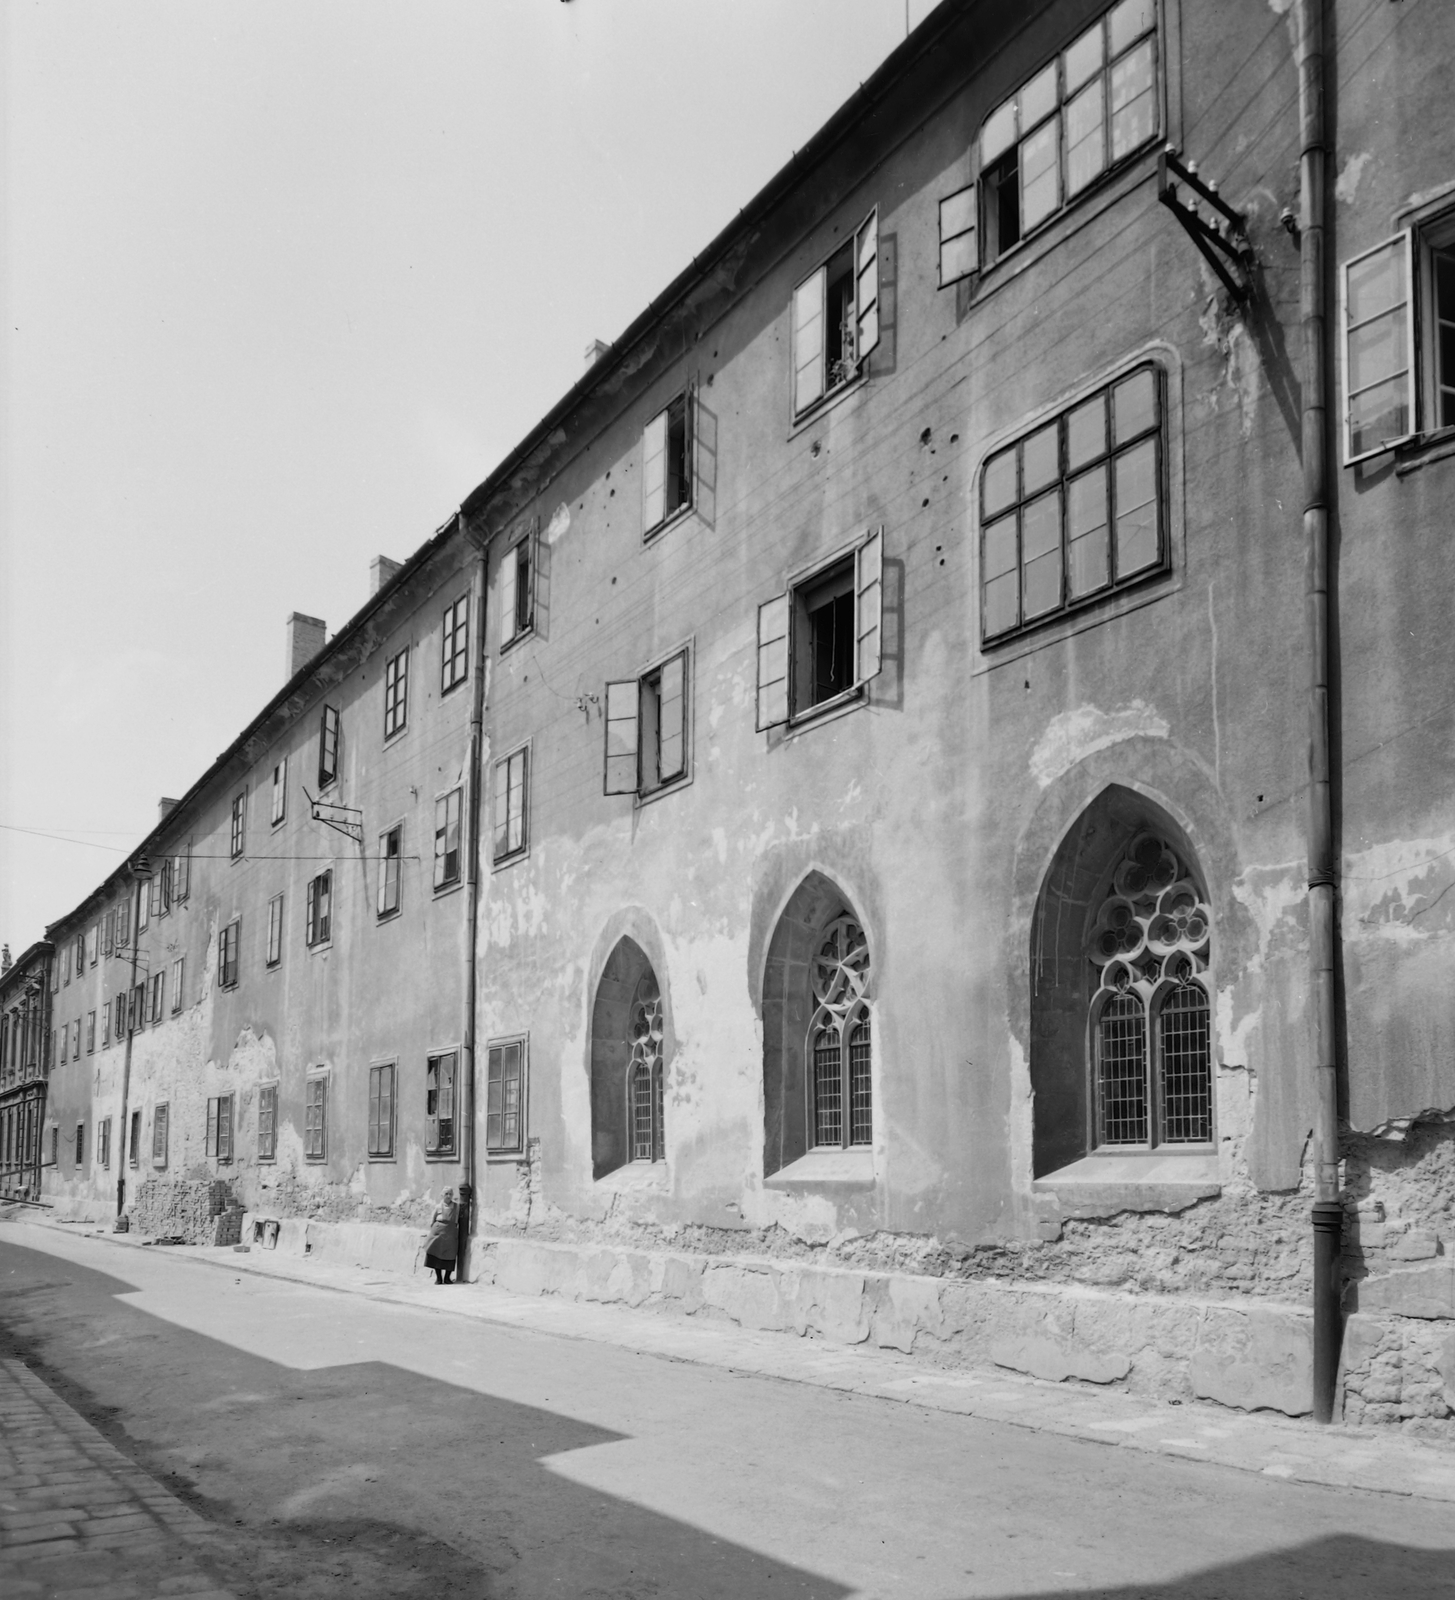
{"points": [[341, 1446]]}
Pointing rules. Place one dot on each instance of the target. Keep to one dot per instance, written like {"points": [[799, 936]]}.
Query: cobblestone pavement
{"points": [[77, 1519]]}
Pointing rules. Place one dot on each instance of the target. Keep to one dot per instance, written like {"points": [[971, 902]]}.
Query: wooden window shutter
{"points": [[224, 1128], [959, 238], [808, 342], [508, 574], [211, 1128], [654, 471], [672, 719], [869, 607], [622, 723], [773, 662], [1377, 337], [866, 285]]}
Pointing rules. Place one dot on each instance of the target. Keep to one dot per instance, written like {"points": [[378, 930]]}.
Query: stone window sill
{"points": [[1143, 1180], [826, 1169]]}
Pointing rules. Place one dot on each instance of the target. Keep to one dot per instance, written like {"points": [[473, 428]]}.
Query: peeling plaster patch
{"points": [[852, 795], [1225, 333], [1279, 8], [559, 523], [1071, 736], [1348, 182], [1272, 896], [1400, 891], [720, 844]]}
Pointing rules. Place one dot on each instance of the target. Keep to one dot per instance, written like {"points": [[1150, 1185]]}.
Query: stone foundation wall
{"points": [[288, 1194]]}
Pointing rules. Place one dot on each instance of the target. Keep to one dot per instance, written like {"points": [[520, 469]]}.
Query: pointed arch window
{"points": [[1151, 1030], [644, 1076], [841, 1102]]}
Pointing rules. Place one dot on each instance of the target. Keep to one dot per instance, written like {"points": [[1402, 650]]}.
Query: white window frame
{"points": [[444, 883], [396, 694], [391, 872], [330, 745], [779, 644], [498, 1146], [633, 708], [280, 792], [811, 381], [318, 910], [229, 953], [455, 645], [523, 550], [656, 440], [510, 812], [372, 1124], [273, 950]]}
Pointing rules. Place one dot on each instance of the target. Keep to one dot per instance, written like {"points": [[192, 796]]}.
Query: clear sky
{"points": [[280, 282]]}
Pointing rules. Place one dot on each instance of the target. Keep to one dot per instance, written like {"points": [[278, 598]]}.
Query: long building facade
{"points": [[952, 759]]}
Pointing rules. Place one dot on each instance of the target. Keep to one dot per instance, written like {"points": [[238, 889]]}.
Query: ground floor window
{"points": [[381, 1110], [315, 1118], [439, 1104], [505, 1097], [841, 1087], [219, 1128], [267, 1122]]}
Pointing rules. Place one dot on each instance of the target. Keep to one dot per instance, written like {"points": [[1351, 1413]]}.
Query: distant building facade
{"points": [[25, 1010], [901, 911]]}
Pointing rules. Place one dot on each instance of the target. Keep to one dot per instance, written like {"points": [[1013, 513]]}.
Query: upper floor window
{"points": [[228, 942], [280, 792], [182, 874], [238, 833], [156, 990], [179, 966], [667, 463], [455, 645], [836, 318], [275, 931], [328, 743], [391, 860], [396, 694], [320, 908], [1075, 507], [93, 943], [1398, 314], [819, 644], [447, 839], [511, 808], [518, 588], [1091, 107], [646, 729]]}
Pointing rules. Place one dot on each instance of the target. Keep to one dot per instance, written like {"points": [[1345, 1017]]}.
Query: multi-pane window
{"points": [[1399, 339], [1089, 109], [511, 809], [268, 1122], [319, 920], [381, 1109], [447, 839], [81, 949], [819, 643], [279, 809], [106, 1025], [156, 985], [163, 881], [275, 931], [123, 924], [391, 862], [505, 1097], [228, 942], [90, 1033], [667, 463], [840, 1079], [646, 1133], [160, 1119], [66, 965], [119, 1026], [315, 1118], [455, 645], [396, 693], [518, 588], [439, 1104], [328, 743], [108, 934], [646, 729], [182, 874], [179, 966], [80, 1143], [93, 943], [103, 1142], [836, 318], [1074, 508], [219, 1128], [154, 896], [238, 831], [1151, 1022], [138, 1018]]}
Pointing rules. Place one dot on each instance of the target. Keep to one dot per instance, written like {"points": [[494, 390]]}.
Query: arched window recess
{"points": [[644, 1076], [1151, 1036], [841, 1107]]}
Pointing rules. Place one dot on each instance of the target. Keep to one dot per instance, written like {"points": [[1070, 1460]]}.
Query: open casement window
{"points": [[182, 874], [237, 839], [179, 967], [836, 318], [268, 1122], [228, 941], [1087, 110], [959, 236], [439, 1104], [381, 1110], [447, 839], [219, 1128], [505, 1098], [511, 777], [156, 986], [275, 931], [280, 792], [328, 742], [455, 645], [518, 588], [315, 1118], [391, 861], [821, 641], [646, 729], [1397, 315], [667, 463], [319, 922]]}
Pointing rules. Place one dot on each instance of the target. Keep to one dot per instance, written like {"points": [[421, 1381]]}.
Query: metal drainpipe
{"points": [[472, 912], [124, 1145], [1328, 1216]]}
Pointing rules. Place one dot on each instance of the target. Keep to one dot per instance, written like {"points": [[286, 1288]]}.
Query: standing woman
{"points": [[443, 1240]]}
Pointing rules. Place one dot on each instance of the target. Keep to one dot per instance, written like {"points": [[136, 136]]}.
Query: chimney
{"points": [[381, 569], [165, 807], [305, 640], [594, 352]]}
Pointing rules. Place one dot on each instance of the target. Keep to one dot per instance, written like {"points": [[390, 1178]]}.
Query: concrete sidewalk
{"points": [[1259, 1442]]}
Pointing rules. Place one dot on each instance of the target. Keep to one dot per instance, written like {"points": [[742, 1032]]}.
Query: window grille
{"points": [[840, 1038], [644, 1077], [1149, 945]]}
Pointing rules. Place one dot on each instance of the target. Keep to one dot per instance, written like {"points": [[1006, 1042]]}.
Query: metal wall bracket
{"points": [[1222, 238], [347, 820]]}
